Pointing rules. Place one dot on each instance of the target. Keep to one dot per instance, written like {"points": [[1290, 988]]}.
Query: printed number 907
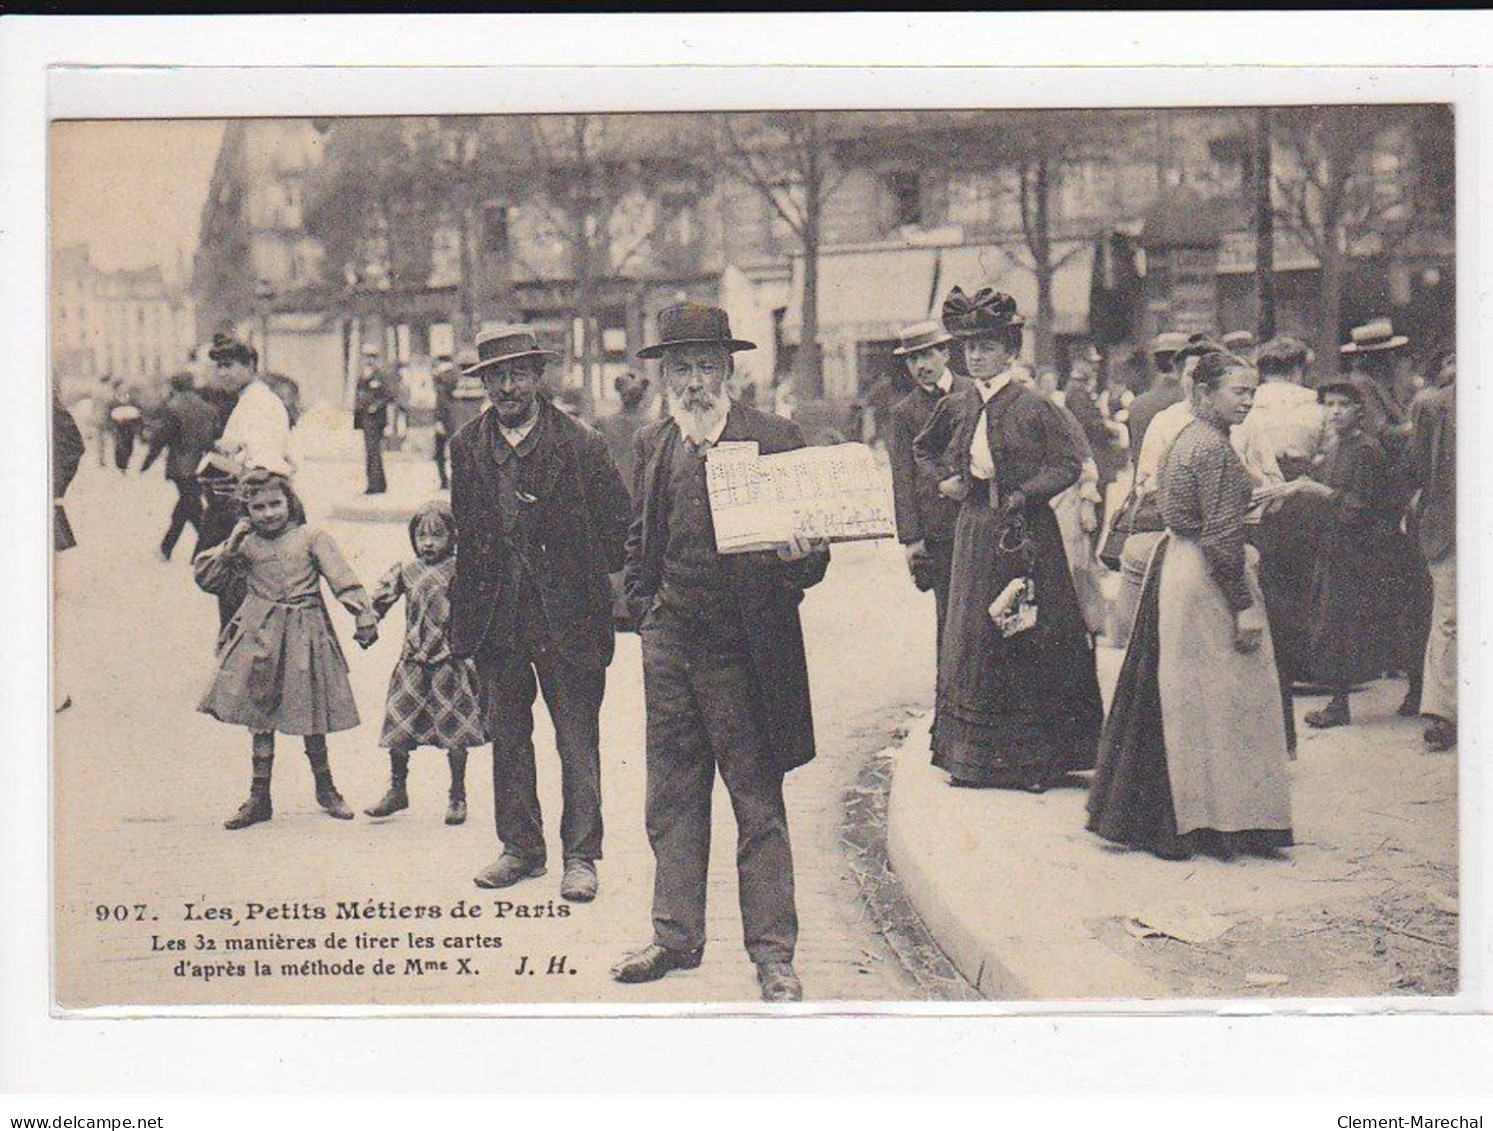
{"points": [[120, 913]]}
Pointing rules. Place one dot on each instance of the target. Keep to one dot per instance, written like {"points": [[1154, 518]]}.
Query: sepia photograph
{"points": [[781, 560]]}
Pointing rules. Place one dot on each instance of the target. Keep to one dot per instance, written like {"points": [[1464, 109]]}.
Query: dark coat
{"points": [[581, 519], [1109, 457], [375, 393], [67, 454], [1037, 455], [922, 513], [1357, 587], [187, 428], [768, 590], [1166, 392]]}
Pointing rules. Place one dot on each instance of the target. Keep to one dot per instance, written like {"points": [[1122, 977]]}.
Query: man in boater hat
{"points": [[724, 674], [925, 519], [541, 517]]}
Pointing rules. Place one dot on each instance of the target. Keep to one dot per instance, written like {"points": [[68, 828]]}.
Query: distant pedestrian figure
{"points": [[444, 378], [67, 454], [280, 667], [432, 695], [185, 431], [371, 416]]}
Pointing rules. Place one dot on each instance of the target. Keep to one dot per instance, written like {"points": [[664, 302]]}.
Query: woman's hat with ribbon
{"points": [[986, 313]]}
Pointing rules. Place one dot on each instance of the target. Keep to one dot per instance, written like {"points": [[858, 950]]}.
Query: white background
{"points": [[1066, 1054]]}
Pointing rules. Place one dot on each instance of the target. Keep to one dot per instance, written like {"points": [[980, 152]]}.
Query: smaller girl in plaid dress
{"points": [[432, 695]]}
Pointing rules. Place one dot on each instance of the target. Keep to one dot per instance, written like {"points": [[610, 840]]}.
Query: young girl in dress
{"points": [[280, 667], [432, 695]]}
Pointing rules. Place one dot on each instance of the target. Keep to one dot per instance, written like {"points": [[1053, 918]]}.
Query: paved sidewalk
{"points": [[1029, 905]]}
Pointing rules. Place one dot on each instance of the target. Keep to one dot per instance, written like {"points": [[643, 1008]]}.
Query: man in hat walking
{"points": [[1375, 354], [542, 516], [185, 431], [724, 673], [925, 518], [371, 416]]}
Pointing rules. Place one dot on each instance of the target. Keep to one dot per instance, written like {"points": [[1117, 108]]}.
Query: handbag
{"points": [[1119, 531], [1014, 611]]}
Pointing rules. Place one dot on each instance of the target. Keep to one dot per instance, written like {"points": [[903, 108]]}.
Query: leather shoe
{"points": [[779, 982], [507, 871], [654, 961], [578, 885]]}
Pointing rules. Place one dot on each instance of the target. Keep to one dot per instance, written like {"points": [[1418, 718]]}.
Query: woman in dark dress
{"points": [[1016, 709], [1194, 750], [1353, 596]]}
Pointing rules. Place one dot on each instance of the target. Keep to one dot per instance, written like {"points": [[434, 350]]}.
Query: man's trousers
{"points": [[1439, 693], [700, 718], [509, 684]]}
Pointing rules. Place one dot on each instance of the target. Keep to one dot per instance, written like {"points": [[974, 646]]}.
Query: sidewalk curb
{"points": [[1009, 943], [379, 508]]}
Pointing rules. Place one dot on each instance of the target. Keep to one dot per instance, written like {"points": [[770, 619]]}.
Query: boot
{"points": [[456, 808], [258, 807], [329, 799], [326, 790], [397, 797], [1335, 714]]}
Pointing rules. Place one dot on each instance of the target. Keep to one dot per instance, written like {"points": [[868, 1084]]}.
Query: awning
{"points": [[871, 294]]}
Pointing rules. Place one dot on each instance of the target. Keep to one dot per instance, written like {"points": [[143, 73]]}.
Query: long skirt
{"points": [[1358, 591], [281, 669], [1023, 710], [433, 705], [1195, 741]]}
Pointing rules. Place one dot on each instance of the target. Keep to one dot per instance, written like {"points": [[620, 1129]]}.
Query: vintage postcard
{"points": [[443, 620]]}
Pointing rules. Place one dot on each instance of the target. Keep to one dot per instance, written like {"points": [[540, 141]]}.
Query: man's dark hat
{"points": [[694, 324], [225, 347], [985, 313], [505, 344]]}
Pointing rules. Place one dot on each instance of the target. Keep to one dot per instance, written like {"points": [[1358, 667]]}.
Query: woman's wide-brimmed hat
{"points": [[920, 336], [693, 324], [505, 344], [986, 313], [1372, 337]]}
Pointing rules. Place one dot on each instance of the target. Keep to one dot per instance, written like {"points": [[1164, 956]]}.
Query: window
{"points": [[1233, 159], [907, 197], [495, 228], [972, 198]]}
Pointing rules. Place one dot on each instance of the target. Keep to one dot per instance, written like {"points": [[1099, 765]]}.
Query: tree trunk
{"points": [[808, 367], [1330, 308], [1042, 267], [1264, 231]]}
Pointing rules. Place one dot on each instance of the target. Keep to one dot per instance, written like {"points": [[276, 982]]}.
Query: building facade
{"points": [[129, 324]]}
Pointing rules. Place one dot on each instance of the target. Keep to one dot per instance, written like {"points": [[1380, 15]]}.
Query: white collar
{"points": [[945, 381], [989, 386]]}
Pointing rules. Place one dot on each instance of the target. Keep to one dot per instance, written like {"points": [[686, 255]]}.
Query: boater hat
{"points": [[1237, 340], [1373, 337], [921, 336], [1168, 341], [505, 344], [694, 324]]}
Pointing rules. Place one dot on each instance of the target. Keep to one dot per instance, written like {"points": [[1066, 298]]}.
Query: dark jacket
{"points": [[768, 590], [67, 454], [1033, 448], [375, 393], [186, 429], [1433, 469], [922, 513], [1109, 457], [581, 519], [1166, 392]]}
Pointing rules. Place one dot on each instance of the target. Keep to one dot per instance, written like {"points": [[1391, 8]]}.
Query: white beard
{"points": [[698, 424]]}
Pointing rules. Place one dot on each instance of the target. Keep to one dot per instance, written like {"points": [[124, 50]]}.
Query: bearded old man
{"points": [[724, 674]]}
